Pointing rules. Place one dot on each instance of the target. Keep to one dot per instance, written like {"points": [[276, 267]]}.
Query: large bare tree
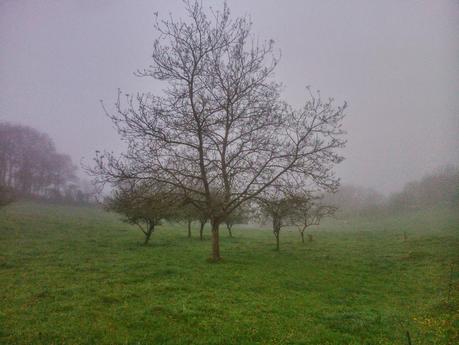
{"points": [[220, 132]]}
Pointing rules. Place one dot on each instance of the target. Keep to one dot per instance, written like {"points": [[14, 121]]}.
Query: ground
{"points": [[78, 275]]}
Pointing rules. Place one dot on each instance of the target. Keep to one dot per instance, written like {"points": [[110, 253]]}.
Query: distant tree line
{"points": [[147, 206], [440, 188], [356, 200], [30, 166]]}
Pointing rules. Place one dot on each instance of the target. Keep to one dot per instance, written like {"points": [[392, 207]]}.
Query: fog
{"points": [[395, 62]]}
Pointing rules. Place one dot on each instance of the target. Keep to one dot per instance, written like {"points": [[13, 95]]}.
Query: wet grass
{"points": [[77, 275]]}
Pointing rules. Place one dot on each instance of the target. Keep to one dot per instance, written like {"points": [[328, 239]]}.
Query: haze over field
{"points": [[294, 180], [395, 62]]}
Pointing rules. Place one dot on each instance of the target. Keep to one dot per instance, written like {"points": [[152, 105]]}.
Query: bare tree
{"points": [[202, 223], [309, 211], [238, 216], [278, 205], [220, 133], [143, 205], [187, 213]]}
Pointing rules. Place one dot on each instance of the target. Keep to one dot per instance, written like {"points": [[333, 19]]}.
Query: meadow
{"points": [[78, 275]]}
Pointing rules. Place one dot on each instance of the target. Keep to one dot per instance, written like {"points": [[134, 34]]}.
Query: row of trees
{"points": [[220, 136], [31, 166], [293, 209], [147, 206]]}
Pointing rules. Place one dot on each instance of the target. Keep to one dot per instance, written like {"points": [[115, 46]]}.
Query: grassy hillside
{"points": [[71, 275]]}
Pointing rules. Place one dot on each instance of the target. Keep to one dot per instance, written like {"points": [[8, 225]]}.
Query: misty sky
{"points": [[395, 62]]}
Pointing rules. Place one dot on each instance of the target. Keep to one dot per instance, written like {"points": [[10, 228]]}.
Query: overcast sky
{"points": [[395, 62]]}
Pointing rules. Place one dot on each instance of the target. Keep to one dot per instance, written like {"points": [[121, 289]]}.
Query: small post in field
{"points": [[408, 337], [450, 282]]}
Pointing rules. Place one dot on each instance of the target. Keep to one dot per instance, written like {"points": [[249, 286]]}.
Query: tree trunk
{"points": [[310, 237], [150, 230], [201, 230], [215, 241], [276, 233], [189, 229], [302, 236], [229, 230], [276, 230]]}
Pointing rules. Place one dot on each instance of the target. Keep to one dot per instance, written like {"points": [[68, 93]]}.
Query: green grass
{"points": [[71, 275]]}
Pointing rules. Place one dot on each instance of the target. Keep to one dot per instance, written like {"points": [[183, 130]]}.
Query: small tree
{"points": [[188, 212], [202, 223], [309, 211], [143, 206], [238, 216], [278, 205]]}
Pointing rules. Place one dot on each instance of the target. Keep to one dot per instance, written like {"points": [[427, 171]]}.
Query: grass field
{"points": [[75, 275]]}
